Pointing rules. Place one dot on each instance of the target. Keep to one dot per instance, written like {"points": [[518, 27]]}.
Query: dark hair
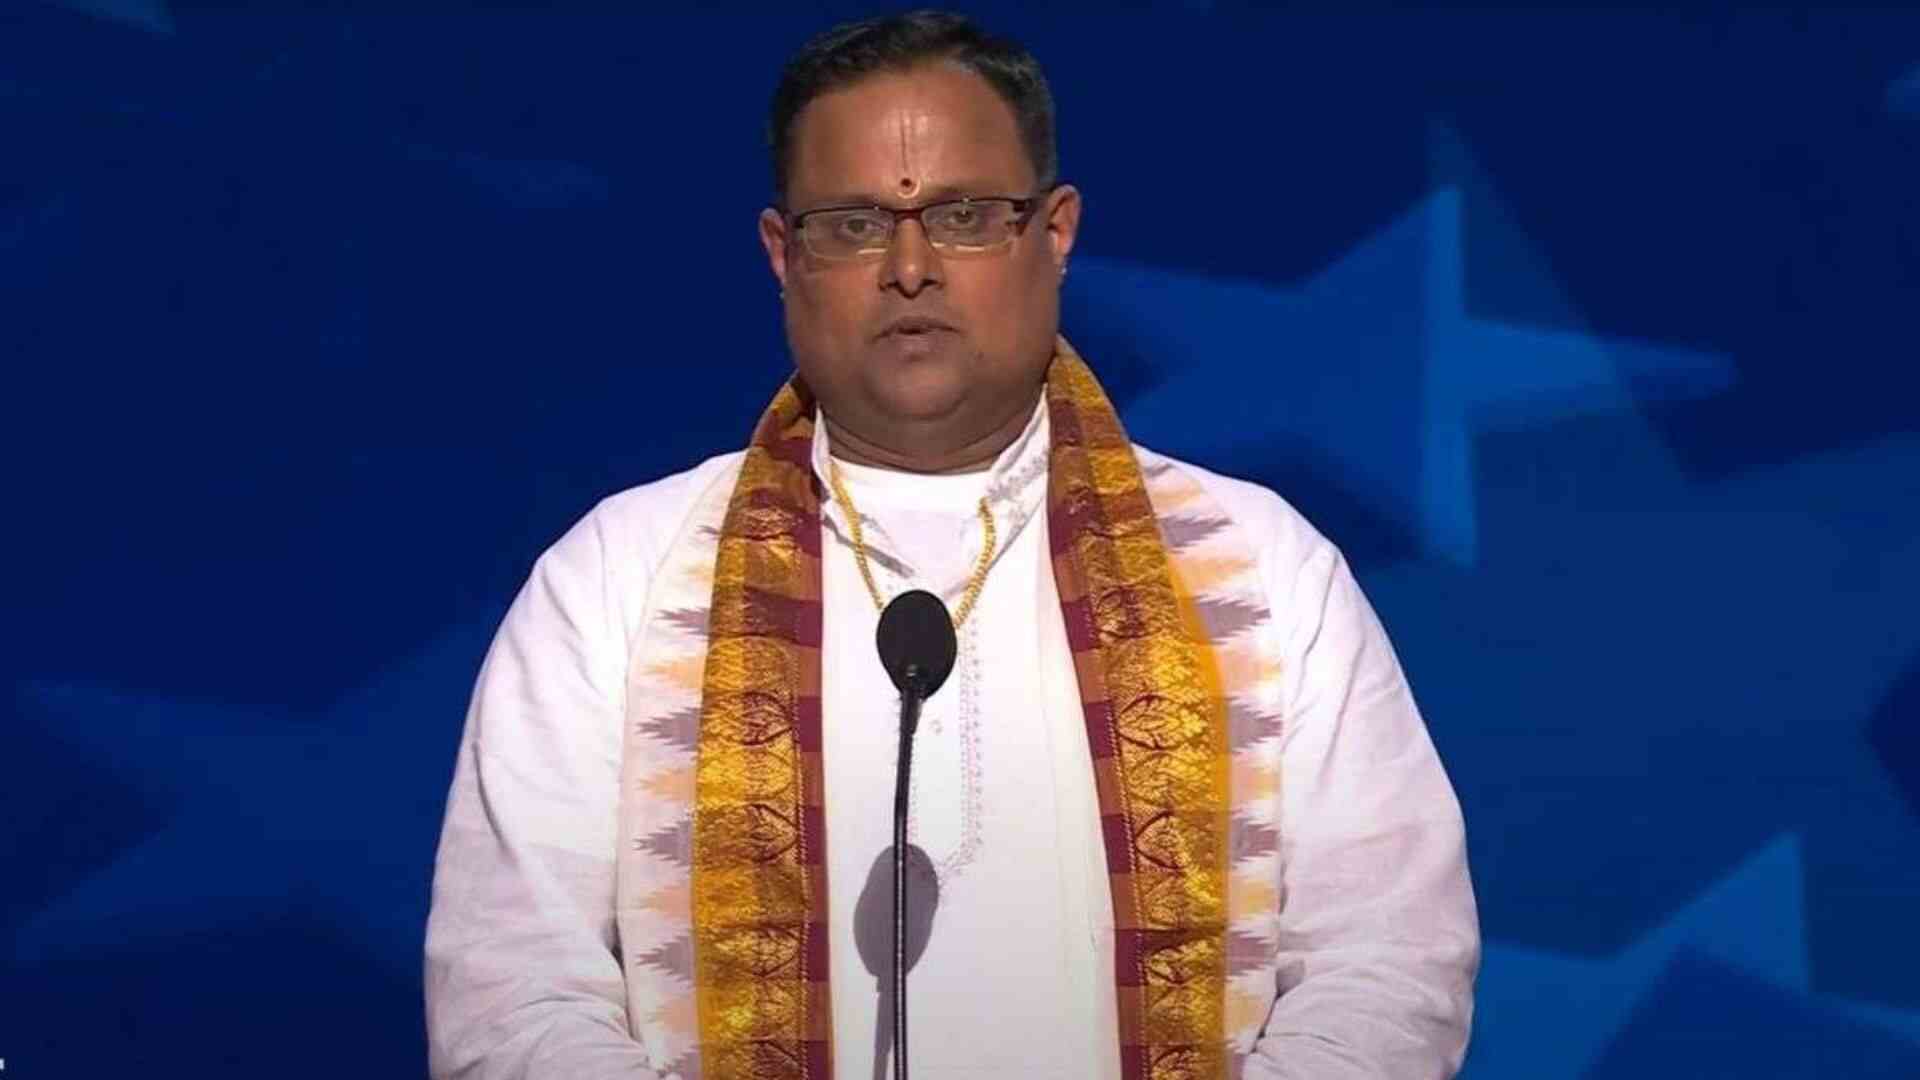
{"points": [[846, 54]]}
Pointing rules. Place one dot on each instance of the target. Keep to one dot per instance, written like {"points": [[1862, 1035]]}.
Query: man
{"points": [[1174, 814]]}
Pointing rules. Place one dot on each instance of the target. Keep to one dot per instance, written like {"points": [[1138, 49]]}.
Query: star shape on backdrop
{"points": [[1649, 676], [1377, 371], [1545, 1013], [1712, 733], [327, 819]]}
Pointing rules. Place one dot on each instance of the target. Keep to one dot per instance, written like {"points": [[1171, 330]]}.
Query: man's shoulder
{"points": [[638, 524], [669, 496], [1273, 525]]}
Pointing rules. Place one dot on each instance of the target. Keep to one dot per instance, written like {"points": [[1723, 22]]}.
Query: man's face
{"points": [[915, 351]]}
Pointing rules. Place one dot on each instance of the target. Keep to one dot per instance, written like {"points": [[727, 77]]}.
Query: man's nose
{"points": [[911, 263]]}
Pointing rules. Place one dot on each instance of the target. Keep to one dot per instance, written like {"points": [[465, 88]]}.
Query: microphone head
{"points": [[916, 642]]}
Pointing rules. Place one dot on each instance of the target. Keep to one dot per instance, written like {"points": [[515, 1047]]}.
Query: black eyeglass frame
{"points": [[1023, 210]]}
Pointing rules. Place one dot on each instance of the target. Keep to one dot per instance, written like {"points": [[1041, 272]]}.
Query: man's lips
{"points": [[913, 324]]}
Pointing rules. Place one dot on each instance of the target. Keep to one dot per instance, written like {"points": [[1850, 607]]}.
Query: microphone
{"points": [[917, 648], [916, 642]]}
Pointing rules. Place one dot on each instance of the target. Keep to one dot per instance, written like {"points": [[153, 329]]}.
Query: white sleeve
{"points": [[523, 979], [1379, 939]]}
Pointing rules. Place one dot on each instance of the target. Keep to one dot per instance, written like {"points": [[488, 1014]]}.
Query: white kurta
{"points": [[1002, 800], [1375, 922]]}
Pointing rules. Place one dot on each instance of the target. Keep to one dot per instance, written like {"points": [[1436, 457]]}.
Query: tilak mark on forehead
{"points": [[909, 185]]}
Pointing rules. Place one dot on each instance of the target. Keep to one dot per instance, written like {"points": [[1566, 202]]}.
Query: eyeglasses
{"points": [[963, 227]]}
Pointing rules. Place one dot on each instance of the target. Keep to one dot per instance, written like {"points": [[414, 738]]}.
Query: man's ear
{"points": [[773, 237], [1062, 218]]}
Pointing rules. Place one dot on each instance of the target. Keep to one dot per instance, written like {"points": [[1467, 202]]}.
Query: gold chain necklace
{"points": [[974, 583]]}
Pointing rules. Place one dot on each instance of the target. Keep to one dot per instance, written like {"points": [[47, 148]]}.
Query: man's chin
{"points": [[921, 412], [919, 393]]}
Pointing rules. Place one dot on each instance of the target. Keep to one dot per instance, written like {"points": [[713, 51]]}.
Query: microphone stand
{"points": [[917, 647], [911, 697]]}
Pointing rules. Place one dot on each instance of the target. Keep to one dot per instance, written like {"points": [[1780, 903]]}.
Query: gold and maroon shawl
{"points": [[723, 905]]}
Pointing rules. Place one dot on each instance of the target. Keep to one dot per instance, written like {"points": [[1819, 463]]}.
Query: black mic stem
{"points": [[910, 700], [917, 647]]}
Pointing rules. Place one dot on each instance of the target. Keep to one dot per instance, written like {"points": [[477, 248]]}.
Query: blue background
{"points": [[1591, 337]]}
